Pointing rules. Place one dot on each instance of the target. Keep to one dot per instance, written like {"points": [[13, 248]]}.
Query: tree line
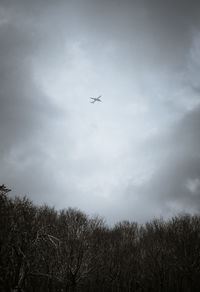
{"points": [[42, 249]]}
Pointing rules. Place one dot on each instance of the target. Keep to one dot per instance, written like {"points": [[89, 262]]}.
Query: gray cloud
{"points": [[135, 155], [174, 185], [23, 105], [25, 112]]}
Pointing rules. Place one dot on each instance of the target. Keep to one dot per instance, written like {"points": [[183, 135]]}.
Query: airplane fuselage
{"points": [[94, 99]]}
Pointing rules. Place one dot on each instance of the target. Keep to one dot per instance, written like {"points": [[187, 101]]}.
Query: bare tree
{"points": [[42, 249]]}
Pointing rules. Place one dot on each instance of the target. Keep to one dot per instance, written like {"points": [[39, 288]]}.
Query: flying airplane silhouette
{"points": [[95, 99]]}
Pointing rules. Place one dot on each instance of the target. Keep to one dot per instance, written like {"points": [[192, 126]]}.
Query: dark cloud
{"points": [[177, 166], [25, 113], [160, 32], [136, 154], [23, 105]]}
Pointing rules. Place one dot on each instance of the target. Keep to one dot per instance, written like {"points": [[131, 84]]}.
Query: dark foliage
{"points": [[42, 249]]}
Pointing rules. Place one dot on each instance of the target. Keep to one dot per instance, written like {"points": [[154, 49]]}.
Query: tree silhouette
{"points": [[42, 249]]}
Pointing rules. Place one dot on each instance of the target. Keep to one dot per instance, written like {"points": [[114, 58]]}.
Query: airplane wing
{"points": [[95, 99]]}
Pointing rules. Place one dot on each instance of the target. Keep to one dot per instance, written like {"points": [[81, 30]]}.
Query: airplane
{"points": [[95, 99]]}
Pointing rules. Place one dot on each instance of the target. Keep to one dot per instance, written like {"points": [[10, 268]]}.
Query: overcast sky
{"points": [[134, 156]]}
